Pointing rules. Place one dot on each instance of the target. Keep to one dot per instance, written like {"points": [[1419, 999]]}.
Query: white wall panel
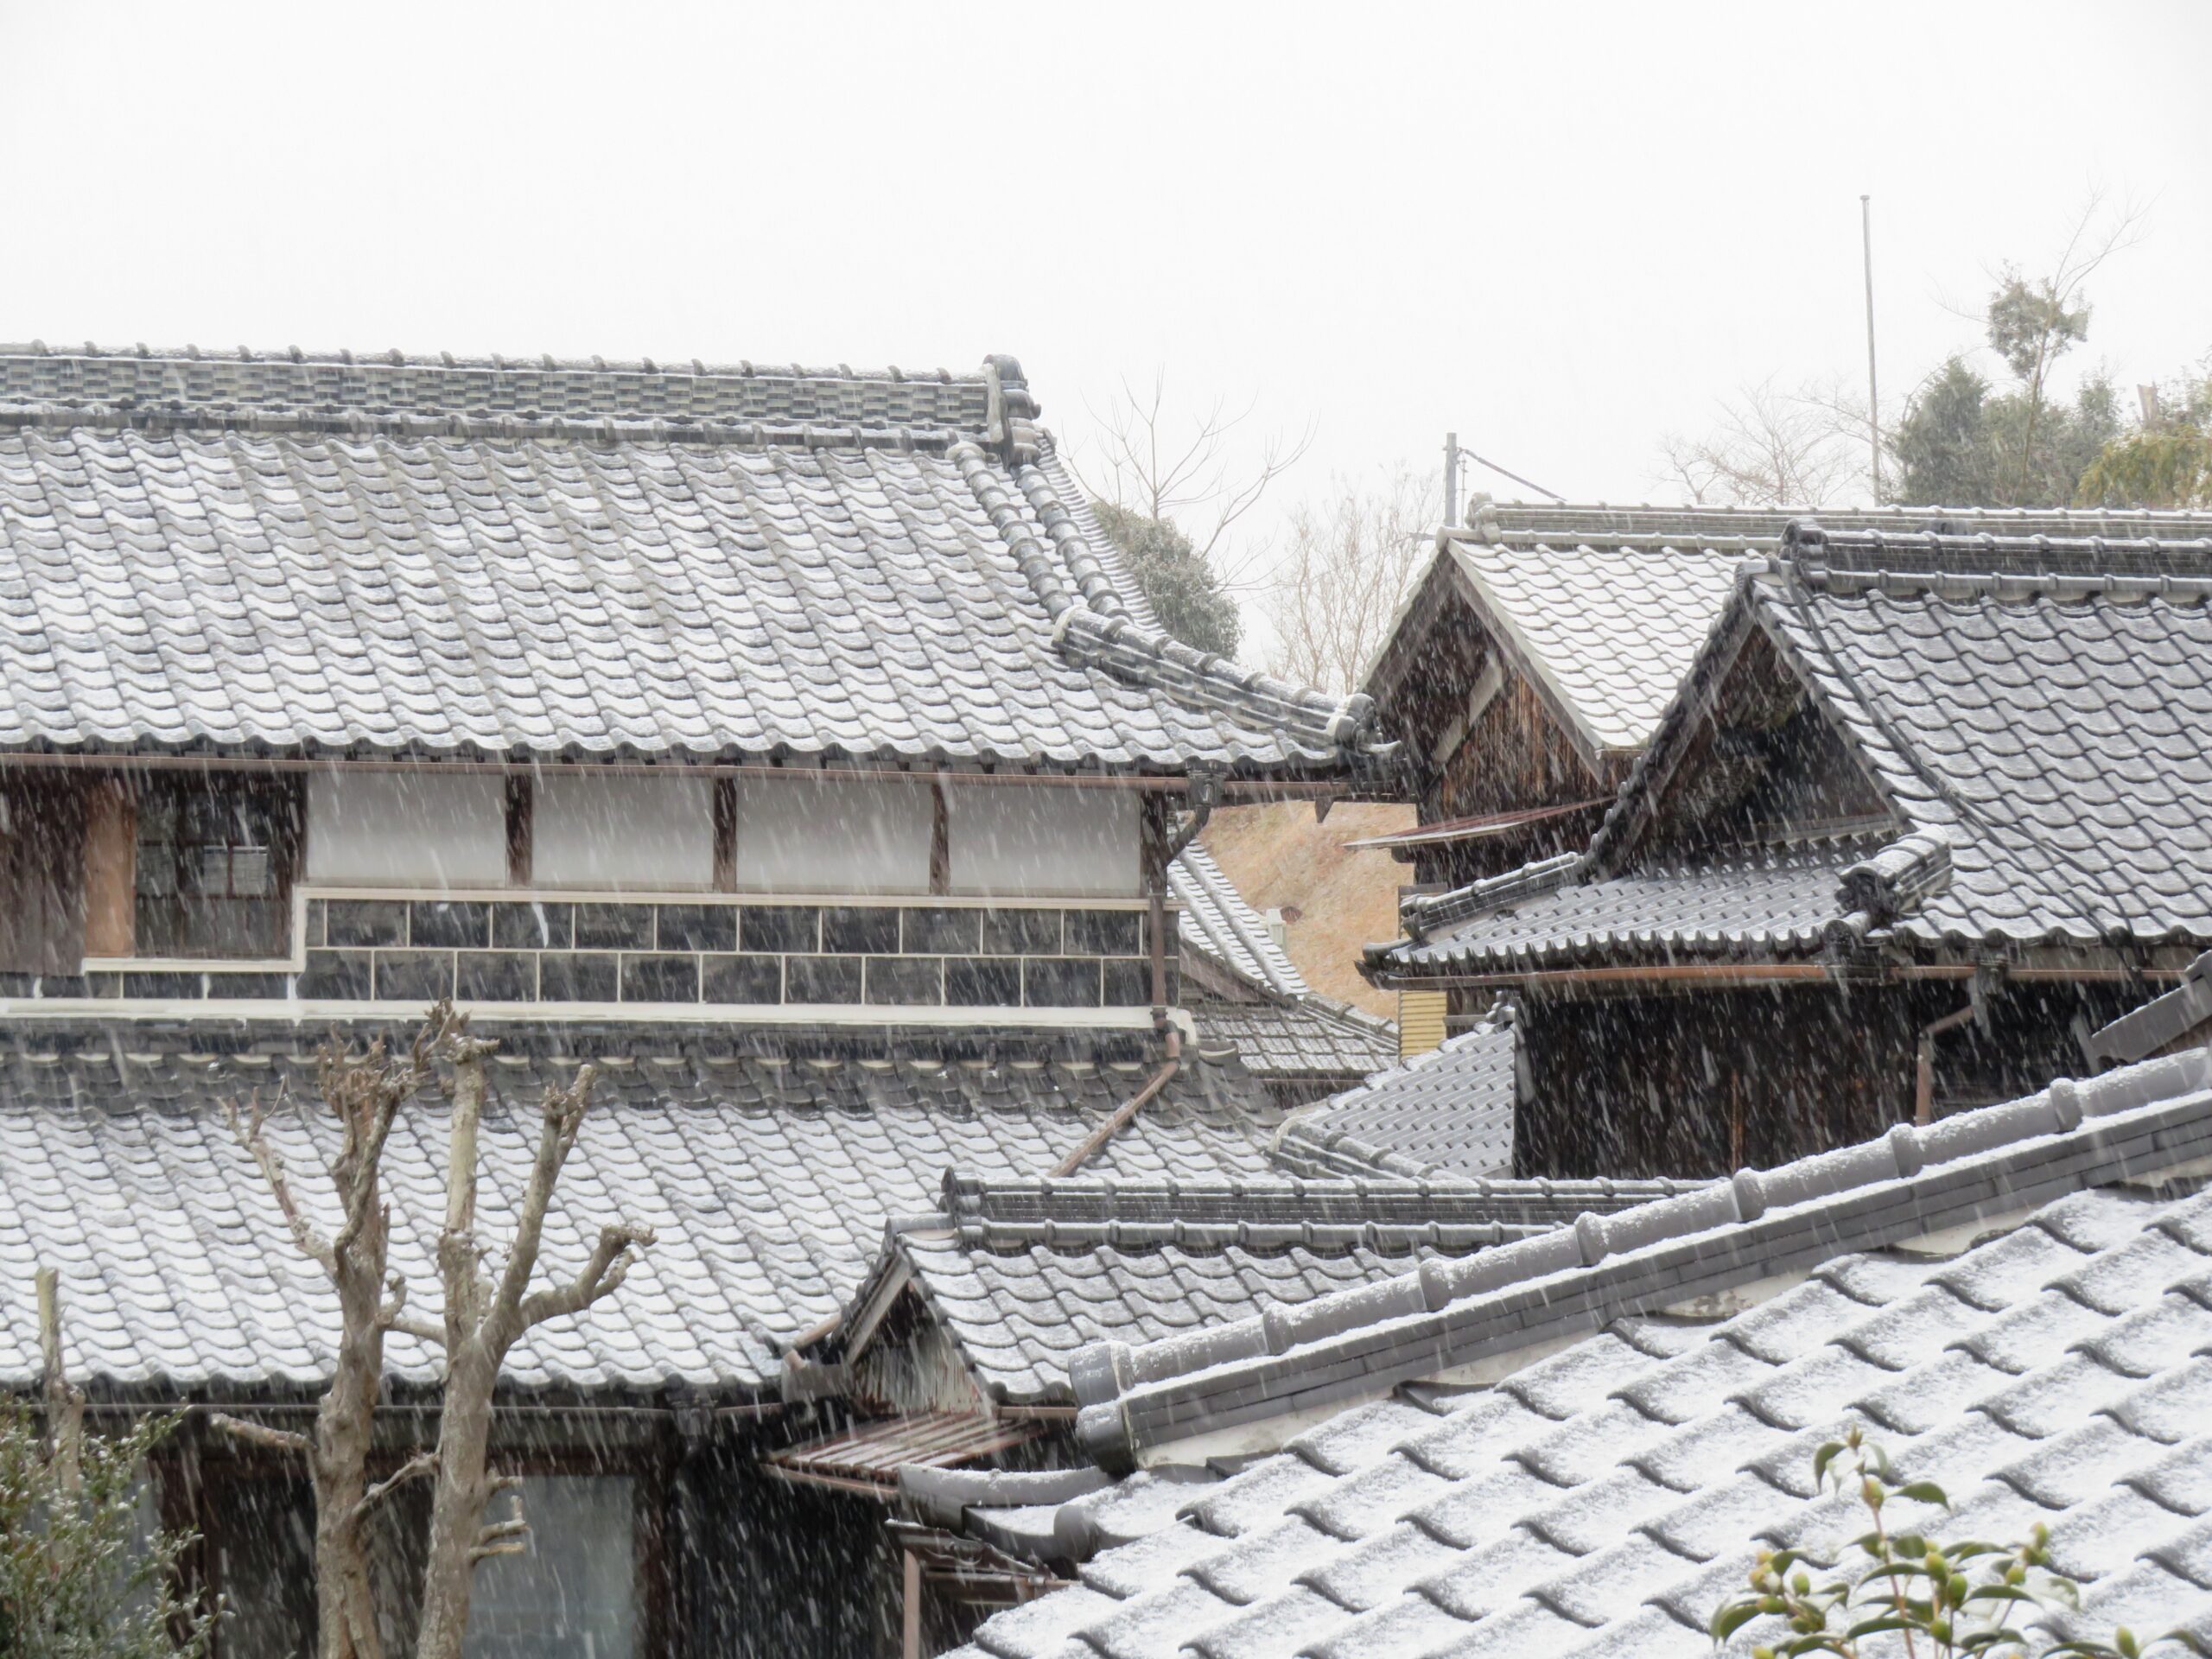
{"points": [[1010, 844], [407, 828], [798, 836], [638, 833]]}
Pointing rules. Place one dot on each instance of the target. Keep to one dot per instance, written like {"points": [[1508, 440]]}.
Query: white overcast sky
{"points": [[1563, 230]]}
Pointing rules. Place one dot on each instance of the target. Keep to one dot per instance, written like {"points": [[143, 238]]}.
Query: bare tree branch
{"points": [[1157, 467], [610, 1264], [1772, 448], [65, 1406], [249, 1133], [483, 1321], [1352, 560], [422, 1463], [260, 1434]]}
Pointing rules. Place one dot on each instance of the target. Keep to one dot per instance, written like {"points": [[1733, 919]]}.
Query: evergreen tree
{"points": [[1183, 588]]}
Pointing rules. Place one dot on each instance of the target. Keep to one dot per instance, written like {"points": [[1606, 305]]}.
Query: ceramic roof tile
{"points": [[1628, 1543], [533, 558], [1314, 1039], [769, 1185], [1608, 1497], [1022, 1275], [2023, 731], [1216, 920], [1445, 1113]]}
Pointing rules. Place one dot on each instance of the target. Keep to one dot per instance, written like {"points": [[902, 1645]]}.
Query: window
{"points": [[216, 857], [573, 1594]]}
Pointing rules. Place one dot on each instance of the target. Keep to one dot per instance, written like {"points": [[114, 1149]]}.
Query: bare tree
{"points": [[1772, 449], [1351, 561], [364, 1091], [483, 1319], [1154, 464]]}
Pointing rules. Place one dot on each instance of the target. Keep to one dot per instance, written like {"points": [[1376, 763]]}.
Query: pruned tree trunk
{"points": [[65, 1406], [484, 1319], [365, 1092]]}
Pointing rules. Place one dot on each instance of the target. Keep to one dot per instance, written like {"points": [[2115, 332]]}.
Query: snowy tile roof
{"points": [[1315, 1038], [1440, 1116], [769, 1178], [1292, 1034], [1604, 1497], [1606, 608], [2154, 1028], [1215, 920], [506, 558], [2036, 738], [1021, 1275], [2051, 730], [1773, 901], [1609, 632]]}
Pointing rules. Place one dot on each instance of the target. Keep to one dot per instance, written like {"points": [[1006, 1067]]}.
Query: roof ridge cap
{"points": [[392, 358], [1249, 1354], [1421, 913]]}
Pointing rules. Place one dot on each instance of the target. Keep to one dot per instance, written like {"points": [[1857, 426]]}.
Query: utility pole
{"points": [[1450, 480], [1873, 399]]}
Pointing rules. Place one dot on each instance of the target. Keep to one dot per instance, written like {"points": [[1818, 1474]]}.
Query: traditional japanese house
{"points": [[972, 1313], [1572, 1446], [1925, 811], [787, 742], [1537, 654]]}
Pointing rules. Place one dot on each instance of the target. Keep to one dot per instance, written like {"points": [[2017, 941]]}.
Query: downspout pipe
{"points": [[1204, 790], [1136, 1103], [1923, 1089]]}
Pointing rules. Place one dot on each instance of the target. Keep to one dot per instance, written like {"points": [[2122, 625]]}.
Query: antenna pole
{"points": [[1450, 480], [1873, 400]]}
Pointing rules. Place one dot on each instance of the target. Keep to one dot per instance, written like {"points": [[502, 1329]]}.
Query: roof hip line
{"points": [[1092, 627]]}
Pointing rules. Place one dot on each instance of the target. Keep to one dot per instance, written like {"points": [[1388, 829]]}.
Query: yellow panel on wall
{"points": [[1421, 1023]]}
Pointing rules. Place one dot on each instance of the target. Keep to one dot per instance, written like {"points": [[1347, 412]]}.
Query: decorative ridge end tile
{"points": [[1423, 913]]}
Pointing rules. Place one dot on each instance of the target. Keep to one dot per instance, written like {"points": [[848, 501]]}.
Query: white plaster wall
{"points": [[407, 828], [1009, 844], [633, 832], [794, 836]]}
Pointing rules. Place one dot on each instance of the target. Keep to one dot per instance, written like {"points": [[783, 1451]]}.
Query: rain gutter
{"points": [[1244, 788]]}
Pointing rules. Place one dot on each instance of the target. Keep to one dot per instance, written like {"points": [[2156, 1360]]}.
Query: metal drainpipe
{"points": [[1923, 1091], [1204, 790]]}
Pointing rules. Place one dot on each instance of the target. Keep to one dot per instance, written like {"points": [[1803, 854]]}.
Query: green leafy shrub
{"points": [[81, 1577], [1937, 1600]]}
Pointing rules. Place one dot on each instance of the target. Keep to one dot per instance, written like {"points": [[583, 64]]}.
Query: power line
{"points": [[1525, 483]]}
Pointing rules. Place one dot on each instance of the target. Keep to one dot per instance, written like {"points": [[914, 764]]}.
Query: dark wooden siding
{"points": [[1702, 1082], [42, 874]]}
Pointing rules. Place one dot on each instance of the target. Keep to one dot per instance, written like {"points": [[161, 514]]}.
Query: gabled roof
{"points": [[1603, 1502], [530, 558], [1444, 1115], [1021, 1273], [1605, 609], [2032, 737], [768, 1172]]}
